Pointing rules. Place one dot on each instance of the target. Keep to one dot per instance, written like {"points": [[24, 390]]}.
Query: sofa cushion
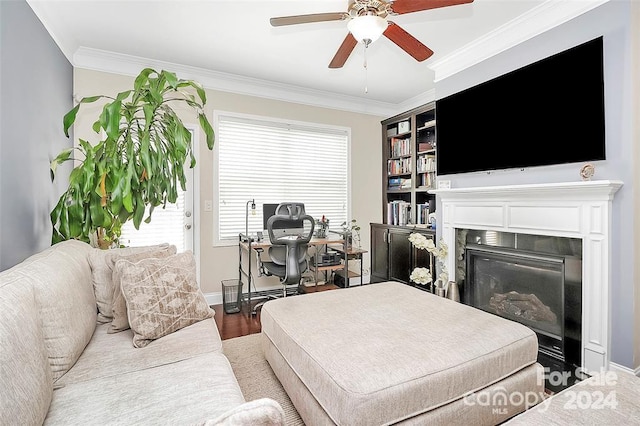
{"points": [[102, 275], [120, 320], [187, 392], [67, 306], [108, 355], [26, 382], [413, 351], [162, 296]]}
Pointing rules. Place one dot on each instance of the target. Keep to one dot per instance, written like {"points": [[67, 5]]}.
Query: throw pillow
{"points": [[162, 296], [120, 320], [101, 276]]}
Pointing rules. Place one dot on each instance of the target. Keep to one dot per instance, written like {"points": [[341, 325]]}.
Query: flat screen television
{"points": [[548, 112]]}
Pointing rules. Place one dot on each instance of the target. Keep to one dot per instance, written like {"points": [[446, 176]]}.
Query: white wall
{"points": [[218, 263], [612, 20]]}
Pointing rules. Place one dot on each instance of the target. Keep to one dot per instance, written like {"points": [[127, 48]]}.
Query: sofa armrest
{"points": [[264, 412]]}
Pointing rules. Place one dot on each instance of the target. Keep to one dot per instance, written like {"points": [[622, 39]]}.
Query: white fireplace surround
{"points": [[573, 209]]}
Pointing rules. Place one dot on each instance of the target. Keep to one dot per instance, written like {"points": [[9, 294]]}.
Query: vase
{"points": [[453, 293], [439, 289]]}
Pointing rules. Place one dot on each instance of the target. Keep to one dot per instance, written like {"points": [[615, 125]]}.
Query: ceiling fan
{"points": [[367, 21]]}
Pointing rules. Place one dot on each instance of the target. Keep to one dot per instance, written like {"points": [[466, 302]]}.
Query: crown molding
{"points": [[118, 63], [542, 18]]}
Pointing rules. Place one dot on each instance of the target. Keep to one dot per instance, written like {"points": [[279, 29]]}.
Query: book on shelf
{"points": [[426, 179], [399, 147], [422, 214], [425, 146], [430, 123], [398, 212], [399, 166], [426, 164], [399, 183]]}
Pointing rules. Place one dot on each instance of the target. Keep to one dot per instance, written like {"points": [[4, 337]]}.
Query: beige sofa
{"points": [[60, 366]]}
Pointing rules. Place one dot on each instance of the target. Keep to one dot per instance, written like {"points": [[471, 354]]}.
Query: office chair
{"points": [[288, 253]]}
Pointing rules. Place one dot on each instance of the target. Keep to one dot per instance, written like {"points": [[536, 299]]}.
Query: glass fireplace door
{"points": [[521, 286]]}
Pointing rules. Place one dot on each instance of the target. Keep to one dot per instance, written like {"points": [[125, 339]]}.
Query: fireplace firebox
{"points": [[540, 289]]}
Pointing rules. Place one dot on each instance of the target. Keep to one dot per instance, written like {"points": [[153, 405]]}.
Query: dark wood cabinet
{"points": [[392, 255]]}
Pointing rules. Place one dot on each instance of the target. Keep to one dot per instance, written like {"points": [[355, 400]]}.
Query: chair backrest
{"points": [[290, 250]]}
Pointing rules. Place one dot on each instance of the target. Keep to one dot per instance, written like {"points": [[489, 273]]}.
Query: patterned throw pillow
{"points": [[162, 296], [102, 276], [119, 307]]}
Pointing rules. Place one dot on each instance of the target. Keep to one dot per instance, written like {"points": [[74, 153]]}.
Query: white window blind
{"points": [[166, 226], [274, 162]]}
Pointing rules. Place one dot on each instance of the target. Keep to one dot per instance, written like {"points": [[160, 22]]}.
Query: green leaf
{"points": [[138, 213], [123, 95], [69, 119], [208, 130], [64, 155], [112, 115], [171, 79], [142, 79]]}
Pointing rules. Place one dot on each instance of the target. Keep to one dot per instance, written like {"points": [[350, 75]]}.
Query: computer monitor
{"points": [[282, 227]]}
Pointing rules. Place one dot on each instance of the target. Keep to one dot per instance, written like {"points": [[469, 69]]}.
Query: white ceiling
{"points": [[231, 44]]}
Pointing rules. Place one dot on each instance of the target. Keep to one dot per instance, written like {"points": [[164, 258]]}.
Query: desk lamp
{"points": [[246, 216]]}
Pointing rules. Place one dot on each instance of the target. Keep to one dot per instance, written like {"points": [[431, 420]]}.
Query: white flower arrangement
{"points": [[421, 242], [421, 276]]}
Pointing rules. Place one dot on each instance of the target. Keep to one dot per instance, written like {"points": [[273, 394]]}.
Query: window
{"points": [[166, 226], [273, 161]]}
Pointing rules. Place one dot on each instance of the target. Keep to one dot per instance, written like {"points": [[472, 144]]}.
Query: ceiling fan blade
{"points": [[305, 19], [343, 52], [408, 6], [407, 42]]}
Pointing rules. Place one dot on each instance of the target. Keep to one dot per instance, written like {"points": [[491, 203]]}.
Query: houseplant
{"points": [[352, 231], [139, 161]]}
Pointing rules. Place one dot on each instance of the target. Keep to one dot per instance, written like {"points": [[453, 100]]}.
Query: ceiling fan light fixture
{"points": [[367, 28]]}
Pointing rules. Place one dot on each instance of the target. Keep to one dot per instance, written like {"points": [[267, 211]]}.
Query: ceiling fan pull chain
{"points": [[366, 71]]}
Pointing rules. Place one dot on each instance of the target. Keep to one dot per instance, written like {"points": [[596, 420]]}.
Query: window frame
{"points": [[217, 114]]}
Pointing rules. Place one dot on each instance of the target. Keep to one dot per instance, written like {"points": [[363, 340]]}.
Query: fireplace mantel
{"points": [[571, 209]]}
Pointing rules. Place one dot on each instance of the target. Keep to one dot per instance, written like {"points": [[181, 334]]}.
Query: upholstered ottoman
{"points": [[388, 353]]}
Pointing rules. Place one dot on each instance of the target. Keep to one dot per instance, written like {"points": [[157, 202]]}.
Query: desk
{"points": [[246, 245]]}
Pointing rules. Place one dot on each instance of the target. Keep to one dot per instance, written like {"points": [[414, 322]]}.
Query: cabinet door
{"points": [[379, 254], [400, 255]]}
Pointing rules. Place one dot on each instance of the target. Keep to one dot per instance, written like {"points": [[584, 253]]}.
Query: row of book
{"points": [[427, 179], [399, 147], [399, 166], [398, 212], [399, 183], [426, 163], [422, 214]]}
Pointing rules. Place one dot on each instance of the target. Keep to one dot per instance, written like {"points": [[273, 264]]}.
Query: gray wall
{"points": [[611, 21], [36, 86]]}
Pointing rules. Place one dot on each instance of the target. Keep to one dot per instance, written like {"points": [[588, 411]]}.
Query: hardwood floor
{"points": [[243, 323]]}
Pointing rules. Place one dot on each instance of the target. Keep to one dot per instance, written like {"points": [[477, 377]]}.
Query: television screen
{"points": [[548, 112]]}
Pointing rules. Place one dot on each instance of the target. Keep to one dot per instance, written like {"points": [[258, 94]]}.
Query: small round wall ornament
{"points": [[587, 171]]}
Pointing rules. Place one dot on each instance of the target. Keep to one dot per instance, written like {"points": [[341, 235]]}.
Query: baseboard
{"points": [[617, 367]]}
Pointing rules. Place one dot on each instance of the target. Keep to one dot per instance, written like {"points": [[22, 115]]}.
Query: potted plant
{"points": [[352, 232], [138, 163]]}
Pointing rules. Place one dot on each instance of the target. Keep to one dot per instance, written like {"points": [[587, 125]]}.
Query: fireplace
{"points": [[571, 210], [534, 280]]}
